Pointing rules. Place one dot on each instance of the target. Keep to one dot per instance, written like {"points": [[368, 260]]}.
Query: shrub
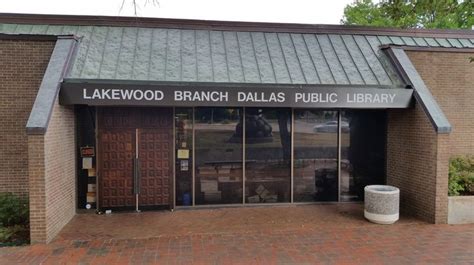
{"points": [[461, 176], [14, 210]]}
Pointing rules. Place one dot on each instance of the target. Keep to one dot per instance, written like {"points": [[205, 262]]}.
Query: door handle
{"points": [[136, 176]]}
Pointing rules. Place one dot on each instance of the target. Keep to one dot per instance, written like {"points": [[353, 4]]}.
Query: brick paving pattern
{"points": [[310, 234]]}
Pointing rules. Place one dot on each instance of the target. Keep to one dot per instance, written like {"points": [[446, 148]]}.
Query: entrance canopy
{"points": [[113, 93]]}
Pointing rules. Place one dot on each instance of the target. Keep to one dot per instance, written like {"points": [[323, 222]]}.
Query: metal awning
{"points": [[234, 55]]}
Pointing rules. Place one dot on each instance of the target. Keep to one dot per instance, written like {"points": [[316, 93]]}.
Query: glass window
{"points": [[218, 150], [268, 155], [315, 156], [184, 160], [362, 151]]}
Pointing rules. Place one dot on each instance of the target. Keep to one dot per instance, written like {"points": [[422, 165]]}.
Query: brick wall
{"points": [[52, 170], [450, 77], [60, 169], [417, 157], [22, 65]]}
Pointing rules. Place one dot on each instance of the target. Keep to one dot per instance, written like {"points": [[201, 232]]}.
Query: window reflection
{"points": [[183, 152], [268, 155], [218, 150], [315, 154], [362, 152]]}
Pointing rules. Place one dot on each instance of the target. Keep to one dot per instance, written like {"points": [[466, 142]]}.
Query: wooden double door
{"points": [[135, 157]]}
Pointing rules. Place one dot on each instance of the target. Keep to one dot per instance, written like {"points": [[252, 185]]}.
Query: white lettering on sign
{"points": [[281, 97], [370, 98], [215, 96], [316, 97], [260, 97], [124, 94]]}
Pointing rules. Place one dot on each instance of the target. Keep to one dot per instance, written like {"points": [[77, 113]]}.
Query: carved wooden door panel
{"points": [[155, 156], [116, 148], [117, 152], [119, 131]]}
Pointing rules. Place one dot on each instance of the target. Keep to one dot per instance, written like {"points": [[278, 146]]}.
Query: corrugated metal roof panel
{"points": [[373, 61], [385, 65], [340, 76], [158, 55], [307, 64], [126, 54], [455, 43], [420, 42], [432, 42], [443, 42], [236, 71], [55, 29], [173, 56], [39, 29], [396, 40], [24, 29], [347, 62], [408, 40], [85, 34], [110, 54], [218, 54], [188, 56], [466, 43], [292, 62], [280, 68], [93, 59], [263, 57], [141, 65], [132, 53], [322, 68]]}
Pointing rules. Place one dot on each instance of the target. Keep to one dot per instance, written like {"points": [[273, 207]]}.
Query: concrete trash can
{"points": [[382, 204]]}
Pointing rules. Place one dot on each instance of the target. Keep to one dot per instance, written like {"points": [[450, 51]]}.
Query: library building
{"points": [[135, 114]]}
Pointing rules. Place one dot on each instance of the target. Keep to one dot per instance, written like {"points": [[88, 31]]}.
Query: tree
{"points": [[136, 5], [447, 14]]}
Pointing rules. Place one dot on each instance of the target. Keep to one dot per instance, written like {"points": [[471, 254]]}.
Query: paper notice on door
{"points": [[184, 165], [183, 153], [91, 172], [86, 162]]}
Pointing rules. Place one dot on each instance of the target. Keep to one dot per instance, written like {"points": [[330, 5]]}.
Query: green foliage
{"points": [[461, 176], [447, 14], [14, 210], [14, 235]]}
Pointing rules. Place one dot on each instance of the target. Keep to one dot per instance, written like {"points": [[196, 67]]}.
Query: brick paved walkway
{"points": [[310, 234]]}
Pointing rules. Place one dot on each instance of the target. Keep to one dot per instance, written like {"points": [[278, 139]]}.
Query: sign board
{"points": [[183, 153], [87, 151], [296, 96]]}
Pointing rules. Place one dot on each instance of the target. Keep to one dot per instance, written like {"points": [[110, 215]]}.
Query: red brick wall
{"points": [[450, 77], [52, 169], [22, 65], [417, 157], [60, 169], [36, 168]]}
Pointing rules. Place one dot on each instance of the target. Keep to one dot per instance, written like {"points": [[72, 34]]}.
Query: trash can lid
{"points": [[383, 189]]}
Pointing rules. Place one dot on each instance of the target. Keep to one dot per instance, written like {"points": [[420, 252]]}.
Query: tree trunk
{"points": [[285, 136]]}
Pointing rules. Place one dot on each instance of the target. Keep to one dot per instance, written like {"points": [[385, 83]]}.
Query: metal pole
{"points": [[243, 155], [339, 155], [174, 159], [194, 160], [97, 159], [136, 169], [292, 153]]}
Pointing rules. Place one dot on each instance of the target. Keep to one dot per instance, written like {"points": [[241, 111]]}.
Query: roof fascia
{"points": [[58, 66], [226, 25], [422, 93]]}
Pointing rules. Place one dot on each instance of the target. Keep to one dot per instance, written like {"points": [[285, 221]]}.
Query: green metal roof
{"points": [[186, 55]]}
